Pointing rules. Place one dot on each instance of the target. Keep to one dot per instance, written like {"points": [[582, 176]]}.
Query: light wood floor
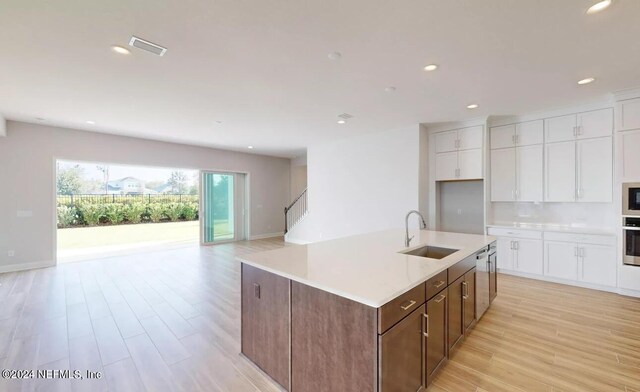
{"points": [[170, 321]]}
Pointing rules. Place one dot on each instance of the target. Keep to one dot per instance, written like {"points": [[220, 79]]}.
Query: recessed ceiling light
{"points": [[586, 81], [90, 122], [431, 67], [390, 89], [120, 49], [250, 147], [218, 122], [342, 121], [472, 106], [599, 6], [335, 55]]}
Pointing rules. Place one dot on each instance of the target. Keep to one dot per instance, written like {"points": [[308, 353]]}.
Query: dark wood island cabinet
{"points": [[308, 339]]}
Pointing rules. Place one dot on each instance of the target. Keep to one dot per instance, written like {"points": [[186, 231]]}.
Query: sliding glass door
{"points": [[219, 207]]}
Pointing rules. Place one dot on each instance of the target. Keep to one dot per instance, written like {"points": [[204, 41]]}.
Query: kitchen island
{"points": [[364, 313]]}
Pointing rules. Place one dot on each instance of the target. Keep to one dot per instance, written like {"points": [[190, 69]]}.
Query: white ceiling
{"points": [[261, 67]]}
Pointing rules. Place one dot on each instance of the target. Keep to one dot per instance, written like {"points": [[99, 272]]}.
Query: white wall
{"points": [[362, 184], [298, 176], [3, 126], [27, 173]]}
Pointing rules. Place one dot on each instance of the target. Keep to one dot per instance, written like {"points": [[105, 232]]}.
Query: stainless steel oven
{"points": [[631, 198], [632, 241]]}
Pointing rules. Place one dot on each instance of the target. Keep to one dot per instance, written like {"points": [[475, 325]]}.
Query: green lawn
{"points": [[103, 236]]}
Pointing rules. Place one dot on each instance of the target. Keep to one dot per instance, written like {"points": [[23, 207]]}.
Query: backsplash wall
{"points": [[589, 215]]}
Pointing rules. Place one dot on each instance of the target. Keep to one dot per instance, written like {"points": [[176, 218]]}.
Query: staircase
{"points": [[296, 211]]}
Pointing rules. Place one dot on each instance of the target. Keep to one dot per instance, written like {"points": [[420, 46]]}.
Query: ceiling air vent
{"points": [[148, 46], [345, 116]]}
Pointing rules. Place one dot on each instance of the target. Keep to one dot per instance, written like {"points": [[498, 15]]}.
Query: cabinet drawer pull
{"points": [[426, 321], [410, 304], [442, 297], [465, 290], [439, 284]]}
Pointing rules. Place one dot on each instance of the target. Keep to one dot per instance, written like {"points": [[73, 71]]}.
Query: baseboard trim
{"points": [[629, 293], [584, 285], [26, 266], [263, 236]]}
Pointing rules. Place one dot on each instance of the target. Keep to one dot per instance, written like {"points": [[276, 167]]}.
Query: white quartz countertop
{"points": [[367, 268], [554, 227]]}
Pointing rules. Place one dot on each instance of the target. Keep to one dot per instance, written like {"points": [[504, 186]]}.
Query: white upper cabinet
{"points": [[530, 133], [446, 166], [521, 134], [560, 129], [459, 154], [594, 159], [628, 115], [516, 174], [446, 141], [630, 142], [503, 174], [579, 171], [470, 164], [470, 138], [596, 123], [503, 136], [460, 139], [529, 173], [560, 172]]}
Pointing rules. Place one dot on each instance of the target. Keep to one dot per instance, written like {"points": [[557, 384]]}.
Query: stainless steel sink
{"points": [[432, 252]]}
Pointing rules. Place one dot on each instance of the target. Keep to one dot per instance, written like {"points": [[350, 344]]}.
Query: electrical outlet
{"points": [[459, 211], [11, 253]]}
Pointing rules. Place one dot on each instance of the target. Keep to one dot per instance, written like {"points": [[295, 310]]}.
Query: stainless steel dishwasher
{"points": [[483, 269]]}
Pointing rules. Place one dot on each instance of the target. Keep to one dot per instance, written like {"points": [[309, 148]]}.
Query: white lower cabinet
{"points": [[520, 254], [598, 264], [588, 263], [561, 260], [528, 256], [575, 257], [504, 250]]}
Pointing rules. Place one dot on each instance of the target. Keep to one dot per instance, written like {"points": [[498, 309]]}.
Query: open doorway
{"points": [[109, 209]]}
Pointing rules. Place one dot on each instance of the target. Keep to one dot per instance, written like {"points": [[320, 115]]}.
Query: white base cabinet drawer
{"points": [[580, 238], [516, 233]]}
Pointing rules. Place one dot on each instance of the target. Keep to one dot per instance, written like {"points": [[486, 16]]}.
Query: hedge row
{"points": [[70, 200], [90, 214]]}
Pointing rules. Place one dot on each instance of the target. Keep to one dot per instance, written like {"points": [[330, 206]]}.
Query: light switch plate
{"points": [[24, 214]]}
